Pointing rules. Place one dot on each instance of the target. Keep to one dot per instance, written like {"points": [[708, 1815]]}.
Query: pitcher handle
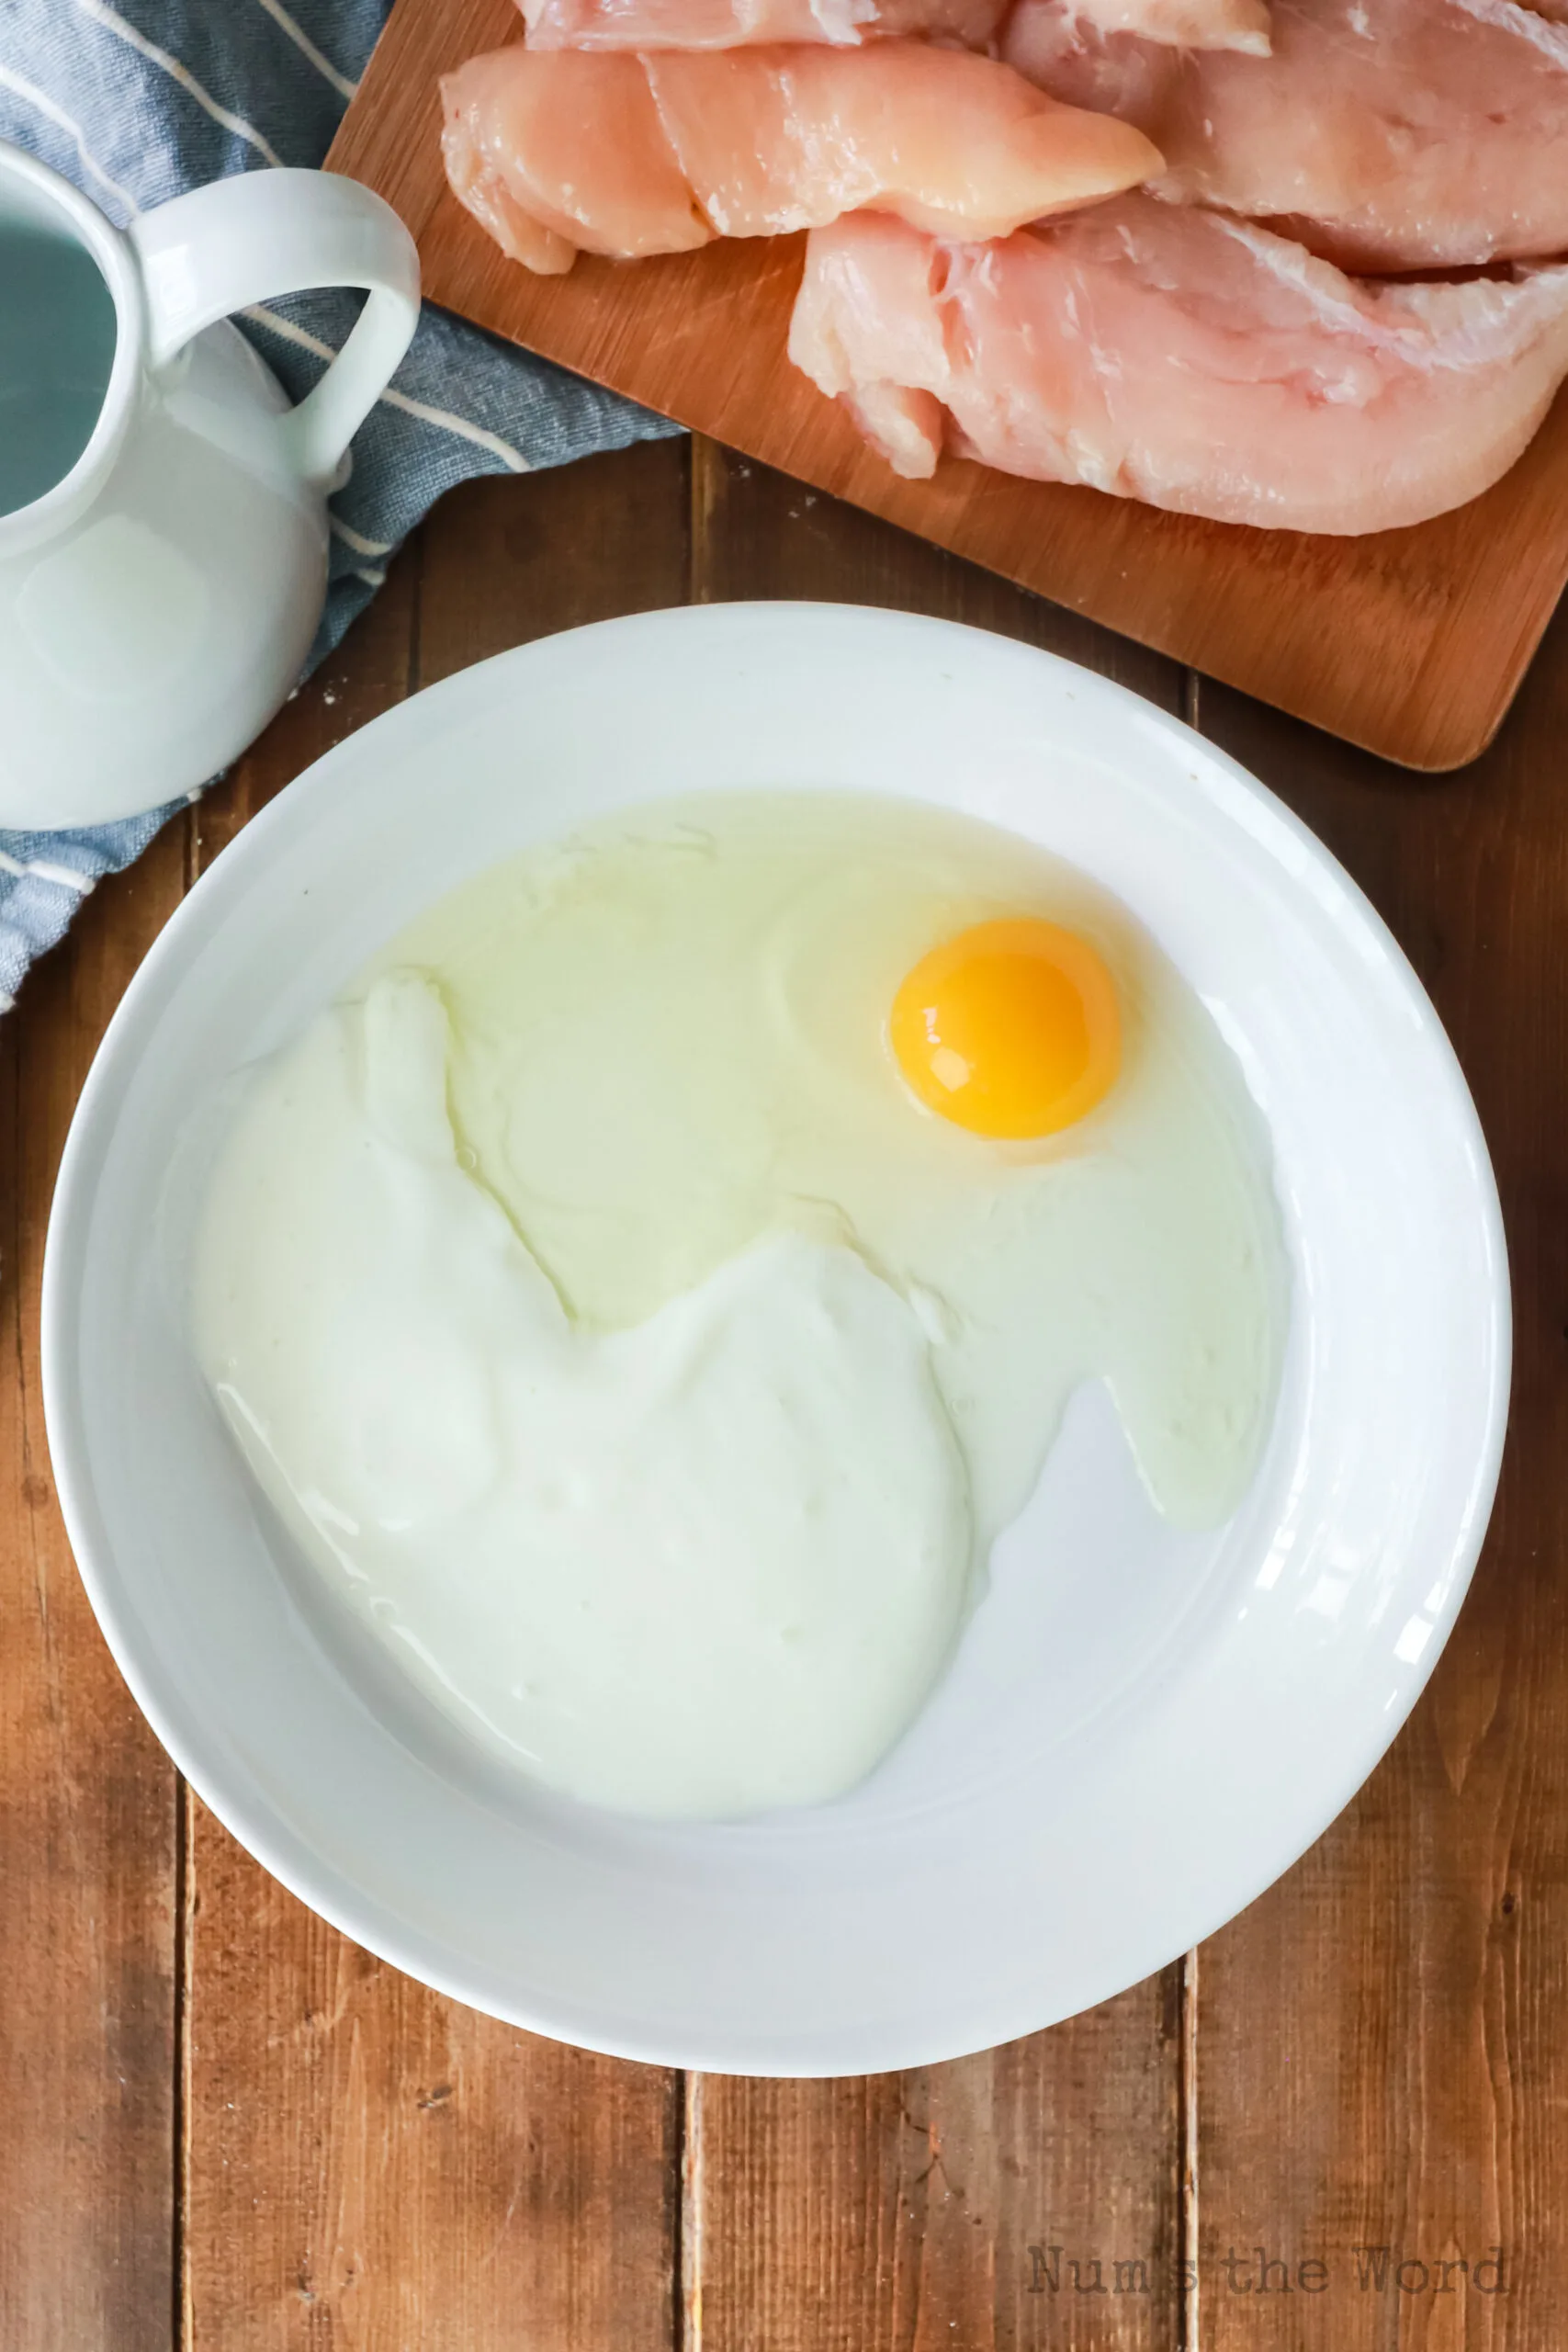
{"points": [[262, 233]]}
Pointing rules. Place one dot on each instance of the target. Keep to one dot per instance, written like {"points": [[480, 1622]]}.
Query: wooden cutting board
{"points": [[1409, 642]]}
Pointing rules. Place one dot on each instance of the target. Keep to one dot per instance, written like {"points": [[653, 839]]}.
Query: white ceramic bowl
{"points": [[1141, 1729]]}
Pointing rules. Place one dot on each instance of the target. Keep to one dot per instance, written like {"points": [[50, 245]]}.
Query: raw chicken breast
{"points": [[735, 24], [1171, 355], [1387, 134], [555, 155], [1183, 24], [558, 151]]}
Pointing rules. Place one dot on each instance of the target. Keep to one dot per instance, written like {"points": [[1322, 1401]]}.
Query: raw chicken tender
{"points": [[845, 24], [555, 155], [557, 151], [1181, 24], [1191, 361], [1386, 134], [735, 24]]}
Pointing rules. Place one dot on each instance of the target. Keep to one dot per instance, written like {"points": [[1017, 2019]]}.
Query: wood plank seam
{"points": [[185, 1899], [1189, 2307], [687, 2300]]}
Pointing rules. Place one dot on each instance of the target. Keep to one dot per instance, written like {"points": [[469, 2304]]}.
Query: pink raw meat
{"points": [[1387, 134], [1183, 24], [553, 160], [735, 24], [1167, 354], [558, 151]]}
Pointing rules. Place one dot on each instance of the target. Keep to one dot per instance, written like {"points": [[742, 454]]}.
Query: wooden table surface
{"points": [[223, 2126]]}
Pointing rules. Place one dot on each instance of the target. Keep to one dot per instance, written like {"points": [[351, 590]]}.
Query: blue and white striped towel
{"points": [[139, 100]]}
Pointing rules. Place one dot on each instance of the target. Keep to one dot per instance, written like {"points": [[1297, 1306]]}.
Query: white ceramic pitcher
{"points": [[157, 596]]}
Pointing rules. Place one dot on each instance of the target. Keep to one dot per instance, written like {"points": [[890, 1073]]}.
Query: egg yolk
{"points": [[1010, 1029]]}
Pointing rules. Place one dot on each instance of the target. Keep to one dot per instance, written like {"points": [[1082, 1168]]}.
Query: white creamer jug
{"points": [[162, 509]]}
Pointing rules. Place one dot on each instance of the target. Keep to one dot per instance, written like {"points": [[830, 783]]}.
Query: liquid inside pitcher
{"points": [[57, 331]]}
